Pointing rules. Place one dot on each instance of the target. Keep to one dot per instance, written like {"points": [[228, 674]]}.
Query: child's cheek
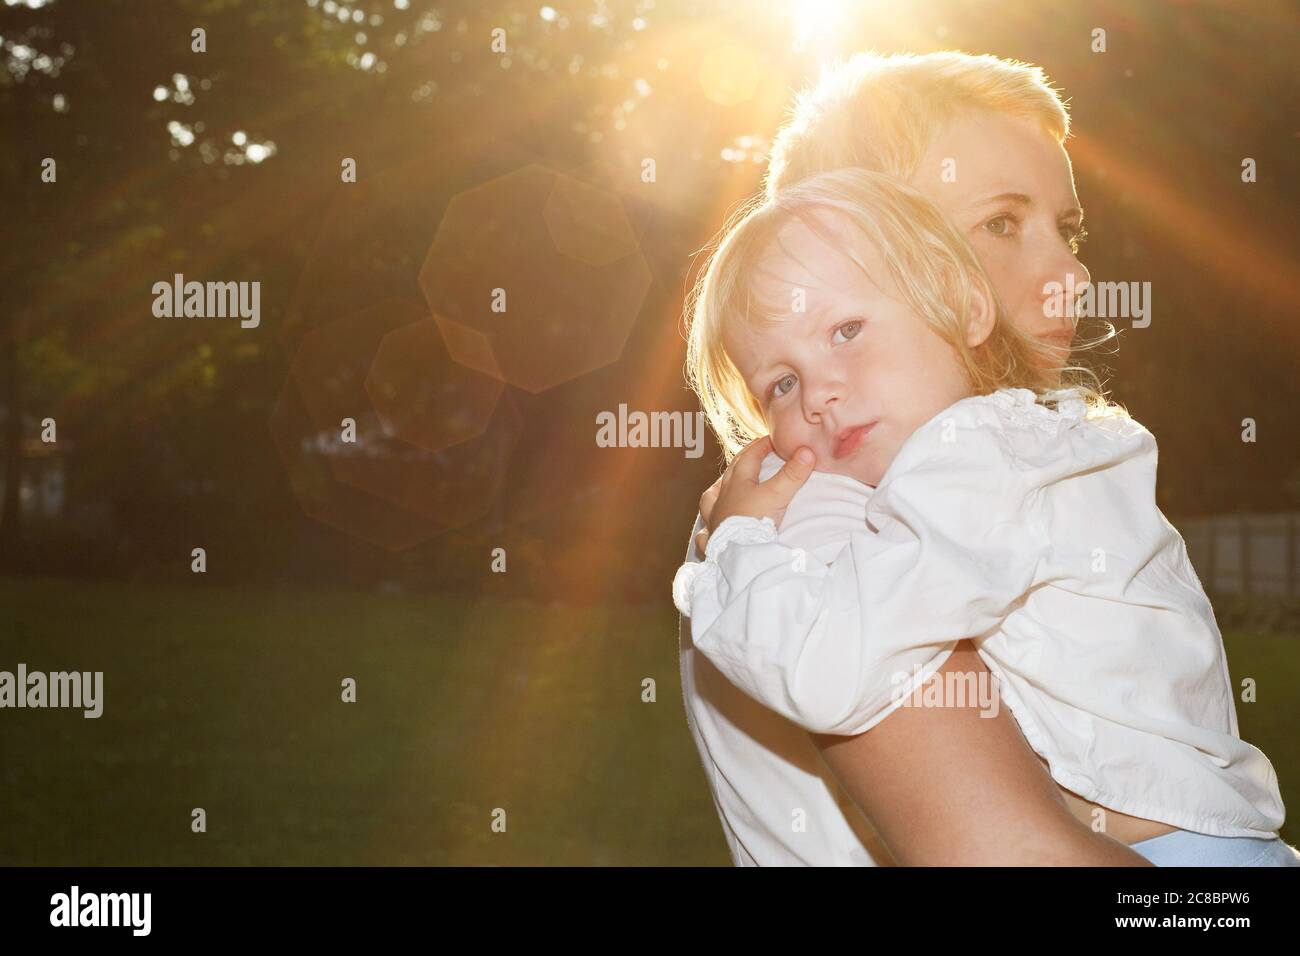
{"points": [[789, 431], [784, 444]]}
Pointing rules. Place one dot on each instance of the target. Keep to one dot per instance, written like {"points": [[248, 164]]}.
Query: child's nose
{"points": [[822, 397]]}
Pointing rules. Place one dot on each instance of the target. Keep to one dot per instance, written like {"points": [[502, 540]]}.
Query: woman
{"points": [[983, 139]]}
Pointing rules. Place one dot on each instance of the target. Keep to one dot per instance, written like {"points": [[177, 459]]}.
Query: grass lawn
{"points": [[229, 700], [1272, 721]]}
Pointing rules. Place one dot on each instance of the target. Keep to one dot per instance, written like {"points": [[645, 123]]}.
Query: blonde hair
{"points": [[882, 112], [934, 268]]}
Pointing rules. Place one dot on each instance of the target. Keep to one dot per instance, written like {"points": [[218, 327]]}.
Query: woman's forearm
{"points": [[954, 786]]}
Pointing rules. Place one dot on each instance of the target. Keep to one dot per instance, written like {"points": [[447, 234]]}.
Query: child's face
{"points": [[857, 355], [1012, 195]]}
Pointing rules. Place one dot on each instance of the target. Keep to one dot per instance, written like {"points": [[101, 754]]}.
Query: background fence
{"points": [[1249, 554]]}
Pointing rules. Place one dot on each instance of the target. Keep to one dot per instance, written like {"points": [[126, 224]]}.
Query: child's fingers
{"points": [[747, 464], [792, 475], [701, 540], [708, 500], [801, 465]]}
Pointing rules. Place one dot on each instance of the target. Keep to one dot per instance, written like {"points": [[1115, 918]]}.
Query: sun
{"points": [[816, 22]]}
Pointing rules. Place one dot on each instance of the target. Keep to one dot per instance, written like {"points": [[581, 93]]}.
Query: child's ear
{"points": [[983, 315]]}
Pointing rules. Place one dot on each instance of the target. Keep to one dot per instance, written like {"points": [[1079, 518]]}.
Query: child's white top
{"points": [[1034, 532]]}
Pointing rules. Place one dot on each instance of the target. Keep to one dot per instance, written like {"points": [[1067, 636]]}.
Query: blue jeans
{"points": [[1185, 848]]}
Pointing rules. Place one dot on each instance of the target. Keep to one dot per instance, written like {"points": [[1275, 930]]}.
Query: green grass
{"points": [[229, 700], [1270, 722]]}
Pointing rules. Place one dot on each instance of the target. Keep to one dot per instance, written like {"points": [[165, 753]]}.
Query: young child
{"points": [[984, 139], [845, 315]]}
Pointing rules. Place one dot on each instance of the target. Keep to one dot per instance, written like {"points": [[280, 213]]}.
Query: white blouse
{"points": [[1035, 532]]}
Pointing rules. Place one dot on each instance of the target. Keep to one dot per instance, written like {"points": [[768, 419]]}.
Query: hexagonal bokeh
{"points": [[621, 181], [354, 512], [568, 308], [421, 396], [449, 486], [647, 202], [588, 223], [376, 231]]}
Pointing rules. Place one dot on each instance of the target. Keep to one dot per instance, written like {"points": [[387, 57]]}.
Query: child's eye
{"points": [[855, 326], [775, 391], [1000, 226]]}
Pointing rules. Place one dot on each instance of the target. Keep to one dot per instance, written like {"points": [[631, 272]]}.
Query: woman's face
{"points": [[1012, 195], [856, 356]]}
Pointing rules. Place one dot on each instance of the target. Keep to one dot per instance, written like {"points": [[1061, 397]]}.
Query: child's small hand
{"points": [[739, 492]]}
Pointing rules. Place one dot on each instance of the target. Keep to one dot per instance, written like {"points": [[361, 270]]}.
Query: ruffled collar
{"points": [[1027, 406]]}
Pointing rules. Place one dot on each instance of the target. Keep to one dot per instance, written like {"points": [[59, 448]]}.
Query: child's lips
{"points": [[848, 441]]}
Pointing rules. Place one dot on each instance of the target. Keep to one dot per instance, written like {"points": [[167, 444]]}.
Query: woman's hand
{"points": [[739, 492]]}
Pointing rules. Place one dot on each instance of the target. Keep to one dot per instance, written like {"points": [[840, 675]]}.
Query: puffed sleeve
{"points": [[953, 540]]}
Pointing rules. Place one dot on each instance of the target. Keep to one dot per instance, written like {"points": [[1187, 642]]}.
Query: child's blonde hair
{"points": [[934, 268], [882, 112]]}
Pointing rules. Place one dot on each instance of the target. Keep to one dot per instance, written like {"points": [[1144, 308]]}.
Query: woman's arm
{"points": [[946, 786], [1001, 808]]}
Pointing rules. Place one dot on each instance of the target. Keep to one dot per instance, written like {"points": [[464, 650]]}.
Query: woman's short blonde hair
{"points": [[882, 112], [933, 267]]}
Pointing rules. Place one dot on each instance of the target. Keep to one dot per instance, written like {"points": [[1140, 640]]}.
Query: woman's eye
{"points": [[999, 226], [777, 391], [851, 329]]}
